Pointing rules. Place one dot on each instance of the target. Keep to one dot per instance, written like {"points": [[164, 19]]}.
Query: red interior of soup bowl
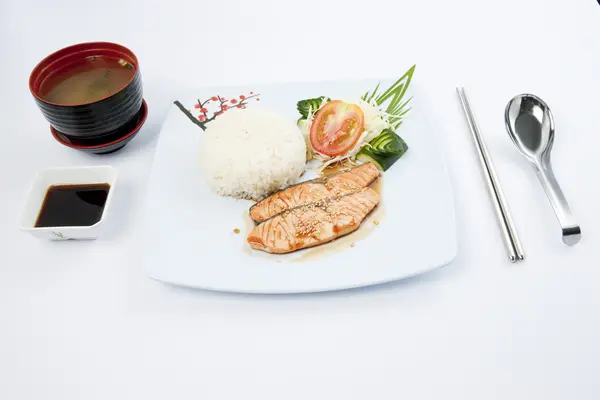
{"points": [[63, 58]]}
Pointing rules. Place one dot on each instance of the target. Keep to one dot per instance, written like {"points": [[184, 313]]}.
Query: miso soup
{"points": [[87, 81]]}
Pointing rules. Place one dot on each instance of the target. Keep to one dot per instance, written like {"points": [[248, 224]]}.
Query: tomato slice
{"points": [[336, 128]]}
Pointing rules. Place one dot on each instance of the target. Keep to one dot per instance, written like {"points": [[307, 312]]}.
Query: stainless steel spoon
{"points": [[530, 125]]}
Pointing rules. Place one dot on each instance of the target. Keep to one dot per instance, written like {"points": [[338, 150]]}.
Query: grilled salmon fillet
{"points": [[313, 224], [315, 190]]}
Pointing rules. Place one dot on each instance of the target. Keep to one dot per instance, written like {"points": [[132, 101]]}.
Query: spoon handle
{"points": [[571, 232]]}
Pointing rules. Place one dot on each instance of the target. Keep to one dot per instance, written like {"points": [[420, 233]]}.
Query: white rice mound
{"points": [[251, 153]]}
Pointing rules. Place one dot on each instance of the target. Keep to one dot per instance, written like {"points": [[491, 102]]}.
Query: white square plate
{"points": [[189, 230]]}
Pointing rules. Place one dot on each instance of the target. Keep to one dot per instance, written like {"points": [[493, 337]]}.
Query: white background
{"points": [[82, 320]]}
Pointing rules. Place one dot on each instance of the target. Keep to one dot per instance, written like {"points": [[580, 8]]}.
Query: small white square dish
{"points": [[69, 203]]}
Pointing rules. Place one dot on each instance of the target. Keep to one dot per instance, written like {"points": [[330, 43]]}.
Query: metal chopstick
{"points": [[509, 232]]}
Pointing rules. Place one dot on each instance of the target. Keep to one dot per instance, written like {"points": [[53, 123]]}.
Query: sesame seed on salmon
{"points": [[312, 191], [314, 223]]}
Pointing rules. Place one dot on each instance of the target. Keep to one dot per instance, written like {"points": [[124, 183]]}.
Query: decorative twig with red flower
{"points": [[202, 107]]}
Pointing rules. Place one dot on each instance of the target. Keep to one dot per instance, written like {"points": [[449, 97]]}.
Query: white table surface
{"points": [[82, 320]]}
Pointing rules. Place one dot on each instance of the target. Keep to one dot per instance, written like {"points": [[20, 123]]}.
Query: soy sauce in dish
{"points": [[73, 205]]}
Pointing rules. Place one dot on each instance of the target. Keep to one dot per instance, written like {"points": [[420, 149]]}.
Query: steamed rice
{"points": [[251, 153]]}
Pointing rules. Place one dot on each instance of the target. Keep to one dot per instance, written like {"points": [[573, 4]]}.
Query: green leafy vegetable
{"points": [[372, 94], [381, 162], [384, 150], [308, 106], [396, 108], [388, 143]]}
